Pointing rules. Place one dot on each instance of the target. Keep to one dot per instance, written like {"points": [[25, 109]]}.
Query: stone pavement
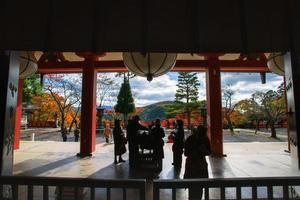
{"points": [[58, 159]]}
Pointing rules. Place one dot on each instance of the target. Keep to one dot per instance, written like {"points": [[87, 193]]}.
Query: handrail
{"points": [[76, 183], [223, 183]]}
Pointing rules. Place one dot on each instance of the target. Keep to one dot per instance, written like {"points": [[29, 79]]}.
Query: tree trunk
{"points": [[230, 125], [62, 125], [73, 121], [256, 126], [273, 130]]}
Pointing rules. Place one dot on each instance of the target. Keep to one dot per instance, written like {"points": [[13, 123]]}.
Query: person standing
{"points": [[76, 134], [64, 134], [133, 129], [107, 132], [196, 147], [178, 144], [158, 134], [119, 141]]}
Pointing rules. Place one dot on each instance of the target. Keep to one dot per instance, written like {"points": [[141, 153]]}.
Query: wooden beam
{"points": [[181, 65]]}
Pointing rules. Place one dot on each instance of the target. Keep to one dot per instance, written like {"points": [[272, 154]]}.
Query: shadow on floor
{"points": [[44, 168]]}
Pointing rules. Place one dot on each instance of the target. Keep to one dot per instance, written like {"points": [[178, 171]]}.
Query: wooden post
{"points": [[9, 77], [88, 110], [214, 109], [18, 115]]}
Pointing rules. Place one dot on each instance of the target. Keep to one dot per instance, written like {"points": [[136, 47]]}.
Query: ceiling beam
{"points": [[181, 66]]}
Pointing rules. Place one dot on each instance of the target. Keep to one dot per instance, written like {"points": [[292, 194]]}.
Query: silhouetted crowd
{"points": [[195, 147]]}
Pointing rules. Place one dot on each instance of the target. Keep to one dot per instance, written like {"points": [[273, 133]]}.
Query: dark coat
{"points": [[178, 144], [158, 134], [120, 141], [133, 132], [195, 149]]}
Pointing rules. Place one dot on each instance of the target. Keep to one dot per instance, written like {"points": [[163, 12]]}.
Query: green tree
{"points": [[32, 87], [251, 109], [273, 108], [187, 93], [125, 103]]}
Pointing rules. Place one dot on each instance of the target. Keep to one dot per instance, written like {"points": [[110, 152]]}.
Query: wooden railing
{"points": [[285, 183], [72, 188], [66, 188]]}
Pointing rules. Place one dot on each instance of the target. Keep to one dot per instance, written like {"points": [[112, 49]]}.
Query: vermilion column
{"points": [[88, 110], [18, 115], [214, 109]]}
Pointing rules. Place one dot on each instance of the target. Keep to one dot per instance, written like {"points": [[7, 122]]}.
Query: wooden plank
{"points": [[92, 193], [124, 194], [173, 193], [15, 192], [206, 193], [238, 193], [254, 192], [222, 193], [270, 192], [285, 192], [108, 193], [45, 192], [30, 192]]}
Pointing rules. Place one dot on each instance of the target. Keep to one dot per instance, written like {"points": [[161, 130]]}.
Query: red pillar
{"points": [[18, 115], [88, 110], [214, 109]]}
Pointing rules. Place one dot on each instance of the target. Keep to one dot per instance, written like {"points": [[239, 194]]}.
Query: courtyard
{"points": [[243, 159]]}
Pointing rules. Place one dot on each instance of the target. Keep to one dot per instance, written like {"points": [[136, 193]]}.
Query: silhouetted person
{"points": [[120, 141], [158, 134], [178, 144], [133, 128], [76, 134], [107, 132], [196, 147], [64, 134]]}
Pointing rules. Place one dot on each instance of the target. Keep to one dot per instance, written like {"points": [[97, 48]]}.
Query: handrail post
{"points": [[155, 191]]}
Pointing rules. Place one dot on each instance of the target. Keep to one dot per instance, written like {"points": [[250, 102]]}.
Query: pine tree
{"points": [[187, 92], [125, 103]]}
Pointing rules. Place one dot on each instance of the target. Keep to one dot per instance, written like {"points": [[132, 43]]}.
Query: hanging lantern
{"points": [[276, 63], [28, 64], [150, 64]]}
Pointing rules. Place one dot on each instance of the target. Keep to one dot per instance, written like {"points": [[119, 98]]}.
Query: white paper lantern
{"points": [[149, 65], [28, 64], [276, 63]]}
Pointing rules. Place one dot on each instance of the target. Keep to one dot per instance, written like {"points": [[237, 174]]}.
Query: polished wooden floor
{"points": [[242, 160]]}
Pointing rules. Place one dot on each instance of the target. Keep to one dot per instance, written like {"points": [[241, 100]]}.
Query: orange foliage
{"points": [[48, 110]]}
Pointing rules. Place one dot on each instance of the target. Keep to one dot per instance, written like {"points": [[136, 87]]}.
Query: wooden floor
{"points": [[59, 159]]}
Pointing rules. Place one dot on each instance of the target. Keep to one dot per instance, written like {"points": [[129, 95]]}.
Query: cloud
{"points": [[164, 88], [159, 89]]}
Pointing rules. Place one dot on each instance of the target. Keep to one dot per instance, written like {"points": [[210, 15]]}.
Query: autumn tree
{"points": [[66, 92], [186, 94], [47, 108], [125, 103]]}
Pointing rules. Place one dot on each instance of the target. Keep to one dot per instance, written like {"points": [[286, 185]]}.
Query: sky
{"points": [[163, 88]]}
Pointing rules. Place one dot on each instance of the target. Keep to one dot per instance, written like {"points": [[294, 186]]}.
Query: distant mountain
{"points": [[154, 111]]}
